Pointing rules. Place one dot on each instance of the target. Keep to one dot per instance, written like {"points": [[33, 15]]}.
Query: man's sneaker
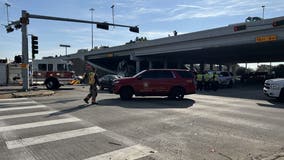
{"points": [[86, 101], [94, 102]]}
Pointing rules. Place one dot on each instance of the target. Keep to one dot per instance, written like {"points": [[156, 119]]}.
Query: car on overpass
{"points": [[174, 83]]}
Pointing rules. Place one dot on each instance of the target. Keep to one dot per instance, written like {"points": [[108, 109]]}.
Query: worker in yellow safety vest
{"points": [[200, 81], [93, 82], [215, 81], [207, 78]]}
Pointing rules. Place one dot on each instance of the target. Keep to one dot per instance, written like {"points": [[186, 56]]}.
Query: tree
{"points": [[263, 68], [279, 70]]}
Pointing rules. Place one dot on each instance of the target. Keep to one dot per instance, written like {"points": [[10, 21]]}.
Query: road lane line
{"points": [[13, 99], [15, 103], [38, 124], [129, 153], [52, 137], [21, 108], [26, 114]]}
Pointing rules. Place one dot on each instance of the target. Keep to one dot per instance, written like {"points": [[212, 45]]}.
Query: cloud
{"points": [[217, 8]]}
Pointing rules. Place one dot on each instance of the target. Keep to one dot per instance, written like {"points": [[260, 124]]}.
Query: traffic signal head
{"points": [[278, 23], [9, 29], [134, 29], [103, 26], [240, 28], [34, 46]]}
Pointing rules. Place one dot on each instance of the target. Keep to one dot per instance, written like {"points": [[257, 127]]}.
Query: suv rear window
{"points": [[185, 74]]}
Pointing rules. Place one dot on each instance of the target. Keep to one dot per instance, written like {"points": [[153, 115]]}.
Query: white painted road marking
{"points": [[129, 153], [21, 108], [38, 124], [26, 114], [52, 137], [13, 99], [20, 102]]}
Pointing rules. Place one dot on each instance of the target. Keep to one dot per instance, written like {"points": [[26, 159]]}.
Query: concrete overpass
{"points": [[261, 41]]}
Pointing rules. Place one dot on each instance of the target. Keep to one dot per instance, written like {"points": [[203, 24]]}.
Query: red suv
{"points": [[174, 83]]}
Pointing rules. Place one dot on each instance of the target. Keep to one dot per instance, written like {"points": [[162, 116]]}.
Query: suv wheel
{"points": [[177, 93], [126, 93], [281, 95]]}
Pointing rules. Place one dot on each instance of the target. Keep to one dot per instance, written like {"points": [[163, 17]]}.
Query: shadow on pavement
{"points": [[69, 110], [149, 103], [274, 104]]}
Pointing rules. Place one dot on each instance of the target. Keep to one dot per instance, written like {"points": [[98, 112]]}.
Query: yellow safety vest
{"points": [[199, 77], [91, 77], [215, 77], [206, 77]]}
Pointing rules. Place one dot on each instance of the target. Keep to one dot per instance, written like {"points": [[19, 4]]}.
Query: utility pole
{"points": [[7, 9], [25, 51], [92, 11]]}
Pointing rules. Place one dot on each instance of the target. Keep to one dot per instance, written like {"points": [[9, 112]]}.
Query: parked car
{"points": [[107, 81], [174, 83], [274, 88], [226, 79]]}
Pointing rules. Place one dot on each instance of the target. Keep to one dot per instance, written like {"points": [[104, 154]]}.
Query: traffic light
{"points": [[103, 26], [240, 28], [18, 59], [134, 29], [9, 29], [34, 46], [278, 23]]}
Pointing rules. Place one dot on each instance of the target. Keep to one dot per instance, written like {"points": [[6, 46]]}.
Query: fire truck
{"points": [[52, 72]]}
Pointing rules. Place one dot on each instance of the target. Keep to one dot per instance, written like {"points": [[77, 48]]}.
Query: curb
{"points": [[32, 94]]}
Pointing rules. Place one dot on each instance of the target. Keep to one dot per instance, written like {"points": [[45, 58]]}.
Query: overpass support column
{"points": [[165, 64], [179, 64], [150, 64], [220, 67], [191, 67], [201, 67], [211, 67], [137, 66]]}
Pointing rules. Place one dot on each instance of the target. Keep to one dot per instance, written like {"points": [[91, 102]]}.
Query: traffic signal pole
{"points": [[24, 21], [25, 55]]}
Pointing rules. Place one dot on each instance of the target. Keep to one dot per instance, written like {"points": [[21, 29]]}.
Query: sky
{"points": [[155, 18]]}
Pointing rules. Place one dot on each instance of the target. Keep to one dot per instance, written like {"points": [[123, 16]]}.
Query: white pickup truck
{"points": [[274, 88]]}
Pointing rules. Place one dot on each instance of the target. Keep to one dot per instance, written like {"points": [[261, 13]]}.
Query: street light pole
{"points": [[92, 11], [263, 11], [66, 46], [7, 7], [112, 8]]}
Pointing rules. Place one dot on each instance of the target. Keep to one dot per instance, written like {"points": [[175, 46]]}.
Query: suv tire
{"points": [[281, 95], [126, 93], [177, 93]]}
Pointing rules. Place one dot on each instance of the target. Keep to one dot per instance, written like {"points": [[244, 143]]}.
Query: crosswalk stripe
{"points": [[26, 114], [129, 153], [21, 108], [52, 137], [15, 103], [38, 124], [13, 99]]}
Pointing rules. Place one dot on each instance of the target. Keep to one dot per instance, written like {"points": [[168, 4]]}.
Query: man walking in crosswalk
{"points": [[93, 82]]}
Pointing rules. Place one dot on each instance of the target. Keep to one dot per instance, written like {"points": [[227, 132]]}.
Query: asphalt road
{"points": [[230, 124]]}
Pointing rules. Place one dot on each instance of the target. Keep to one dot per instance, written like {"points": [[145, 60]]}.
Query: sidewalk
{"points": [[16, 92]]}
